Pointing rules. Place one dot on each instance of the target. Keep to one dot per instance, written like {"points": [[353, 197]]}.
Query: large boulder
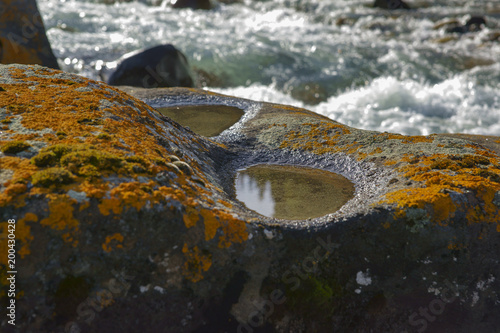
{"points": [[159, 66], [474, 24], [390, 4], [193, 4], [22, 35], [125, 221]]}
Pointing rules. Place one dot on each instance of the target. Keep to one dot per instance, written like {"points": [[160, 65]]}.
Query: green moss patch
{"points": [[316, 294], [44, 158], [61, 134], [88, 161], [51, 155], [99, 159], [104, 136], [14, 147], [137, 159], [52, 177], [89, 121]]}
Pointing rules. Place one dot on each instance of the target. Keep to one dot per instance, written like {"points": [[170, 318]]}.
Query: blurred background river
{"points": [[396, 71]]}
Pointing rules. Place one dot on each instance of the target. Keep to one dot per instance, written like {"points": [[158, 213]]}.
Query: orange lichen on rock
{"points": [[77, 114], [13, 194], [94, 190], [16, 189], [482, 151], [377, 150], [361, 156], [22, 233], [319, 138], [138, 195], [233, 230], [93, 139], [440, 175], [297, 110], [133, 194], [191, 216], [406, 138], [113, 241], [488, 211], [61, 217], [211, 223], [93, 150], [197, 262], [439, 205], [455, 246], [65, 159]]}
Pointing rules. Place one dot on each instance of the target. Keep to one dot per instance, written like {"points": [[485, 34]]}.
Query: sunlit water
{"points": [[291, 192], [364, 67]]}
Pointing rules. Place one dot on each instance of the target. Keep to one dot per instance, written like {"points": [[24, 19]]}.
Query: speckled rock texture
{"points": [[127, 222], [22, 35]]}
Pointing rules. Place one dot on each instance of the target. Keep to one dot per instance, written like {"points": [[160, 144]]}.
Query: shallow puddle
{"points": [[291, 192], [206, 120]]}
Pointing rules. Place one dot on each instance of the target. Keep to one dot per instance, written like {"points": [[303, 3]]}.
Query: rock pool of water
{"points": [[292, 192], [206, 120]]}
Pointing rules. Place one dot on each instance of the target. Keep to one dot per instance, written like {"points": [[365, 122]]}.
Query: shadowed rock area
{"points": [[22, 35], [126, 221]]}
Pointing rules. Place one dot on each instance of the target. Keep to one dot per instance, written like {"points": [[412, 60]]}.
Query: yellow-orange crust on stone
{"points": [[425, 160], [85, 132]]}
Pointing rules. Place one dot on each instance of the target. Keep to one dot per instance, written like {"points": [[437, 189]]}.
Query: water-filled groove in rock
{"points": [[292, 192], [206, 120]]}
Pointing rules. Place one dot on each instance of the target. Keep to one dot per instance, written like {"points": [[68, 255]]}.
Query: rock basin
{"points": [[206, 120], [292, 192]]}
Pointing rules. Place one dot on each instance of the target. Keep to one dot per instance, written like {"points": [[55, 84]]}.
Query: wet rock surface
{"points": [[128, 221]]}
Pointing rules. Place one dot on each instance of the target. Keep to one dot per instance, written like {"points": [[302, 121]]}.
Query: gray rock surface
{"points": [[131, 242]]}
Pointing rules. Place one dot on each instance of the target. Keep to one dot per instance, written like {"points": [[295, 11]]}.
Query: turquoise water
{"points": [[364, 67]]}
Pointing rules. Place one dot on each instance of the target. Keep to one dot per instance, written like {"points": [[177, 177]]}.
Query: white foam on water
{"points": [[259, 92], [375, 70], [407, 107]]}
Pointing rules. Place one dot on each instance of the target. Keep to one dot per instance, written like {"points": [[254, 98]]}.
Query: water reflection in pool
{"points": [[206, 120], [291, 192]]}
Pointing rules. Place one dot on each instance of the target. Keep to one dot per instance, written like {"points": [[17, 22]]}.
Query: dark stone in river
{"points": [[160, 66], [473, 24], [193, 4], [390, 4]]}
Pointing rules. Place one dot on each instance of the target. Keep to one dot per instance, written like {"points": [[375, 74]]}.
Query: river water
{"points": [[395, 71]]}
